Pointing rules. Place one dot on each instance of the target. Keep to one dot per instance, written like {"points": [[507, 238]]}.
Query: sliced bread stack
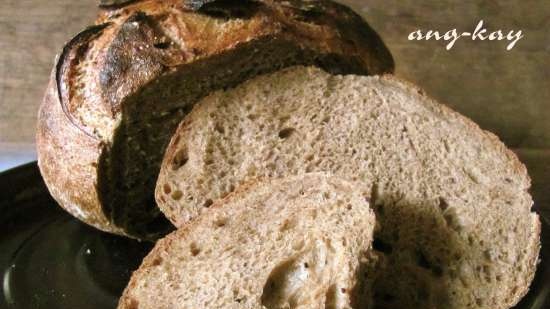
{"points": [[455, 223], [456, 227], [298, 242]]}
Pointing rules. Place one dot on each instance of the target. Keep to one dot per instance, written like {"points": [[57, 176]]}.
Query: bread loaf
{"points": [[457, 229], [299, 242], [120, 87]]}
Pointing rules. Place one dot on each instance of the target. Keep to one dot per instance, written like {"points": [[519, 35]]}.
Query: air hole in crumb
{"points": [[208, 203], [180, 159], [219, 128], [157, 261], [167, 188], [221, 222], [287, 225], [306, 265], [194, 249], [162, 45], [443, 204], [382, 246], [176, 195], [349, 207], [285, 133]]}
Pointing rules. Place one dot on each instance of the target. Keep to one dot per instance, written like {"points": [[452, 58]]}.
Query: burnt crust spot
{"points": [[114, 4], [138, 54], [226, 9], [358, 32], [71, 51], [353, 29]]}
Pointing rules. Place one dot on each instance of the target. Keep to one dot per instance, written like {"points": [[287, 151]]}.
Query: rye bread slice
{"points": [[457, 229], [298, 242], [120, 88]]}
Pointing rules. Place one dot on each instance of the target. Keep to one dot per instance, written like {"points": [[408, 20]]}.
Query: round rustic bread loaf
{"points": [[299, 242], [457, 229], [120, 87]]}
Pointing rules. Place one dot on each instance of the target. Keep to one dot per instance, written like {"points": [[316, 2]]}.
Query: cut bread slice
{"points": [[457, 229], [297, 242]]}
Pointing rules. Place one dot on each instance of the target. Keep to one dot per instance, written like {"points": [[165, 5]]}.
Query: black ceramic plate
{"points": [[50, 260]]}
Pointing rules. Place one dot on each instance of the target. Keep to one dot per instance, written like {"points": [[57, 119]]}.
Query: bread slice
{"points": [[120, 87], [457, 229], [298, 242]]}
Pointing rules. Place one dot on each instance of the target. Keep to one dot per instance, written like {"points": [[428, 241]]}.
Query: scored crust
{"points": [[136, 47]]}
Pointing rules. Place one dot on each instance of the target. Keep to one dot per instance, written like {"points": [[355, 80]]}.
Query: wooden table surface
{"points": [[507, 92]]}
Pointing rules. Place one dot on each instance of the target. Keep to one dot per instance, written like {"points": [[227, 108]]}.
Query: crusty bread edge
{"points": [[69, 160], [533, 248], [519, 167]]}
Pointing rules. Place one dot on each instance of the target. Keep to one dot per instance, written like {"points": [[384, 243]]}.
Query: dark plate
{"points": [[50, 260]]}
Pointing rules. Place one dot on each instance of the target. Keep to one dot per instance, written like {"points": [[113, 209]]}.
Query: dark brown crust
{"points": [[68, 159], [128, 58], [70, 51], [165, 39], [114, 4]]}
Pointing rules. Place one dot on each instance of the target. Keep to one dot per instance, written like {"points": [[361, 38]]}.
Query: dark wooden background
{"points": [[507, 92]]}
